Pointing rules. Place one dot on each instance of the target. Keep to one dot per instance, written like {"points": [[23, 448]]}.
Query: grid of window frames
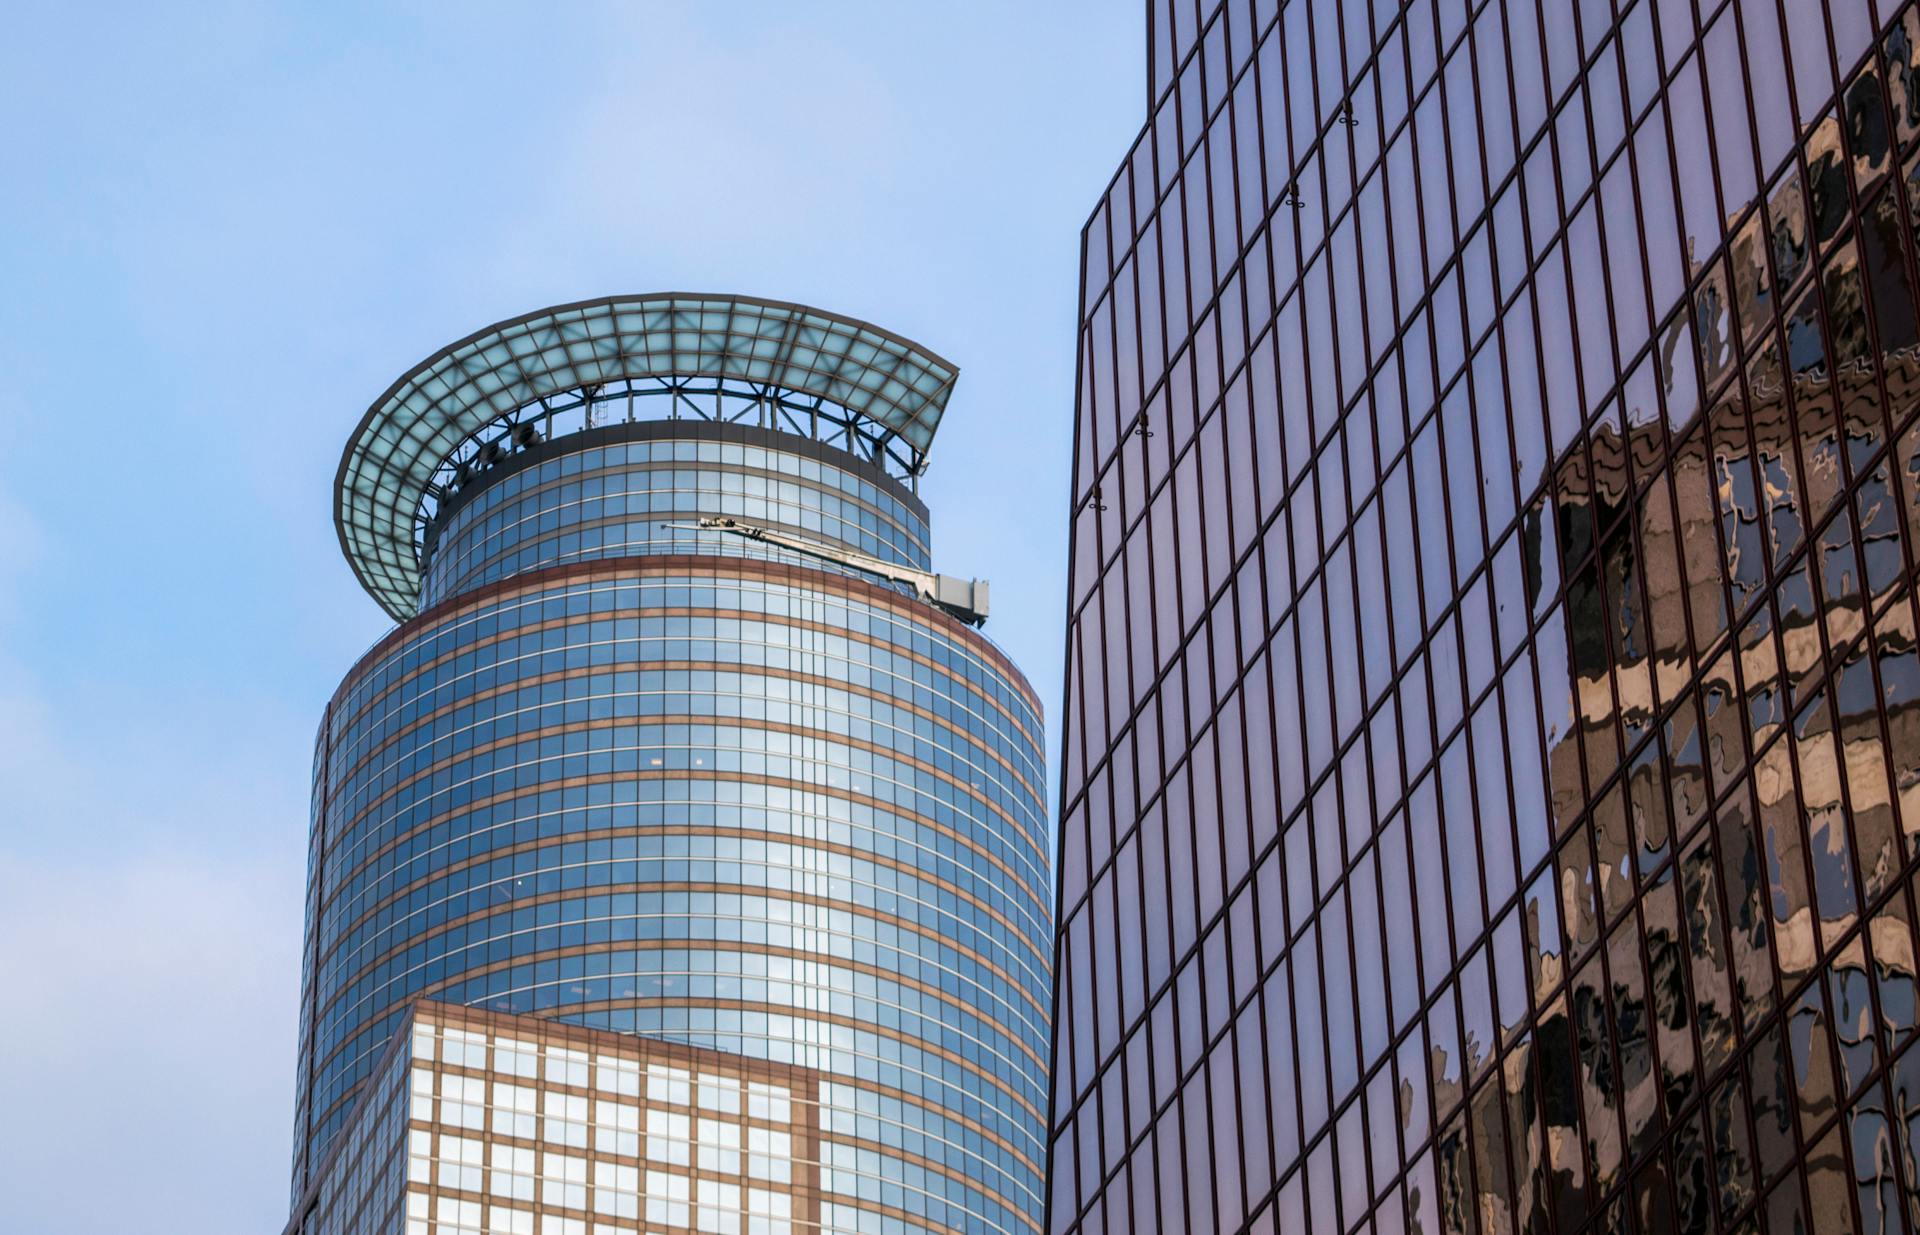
{"points": [[494, 1124], [746, 805], [1492, 656], [571, 503]]}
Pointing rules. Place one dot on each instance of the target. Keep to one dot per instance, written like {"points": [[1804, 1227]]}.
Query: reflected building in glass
{"points": [[681, 758], [1491, 652]]}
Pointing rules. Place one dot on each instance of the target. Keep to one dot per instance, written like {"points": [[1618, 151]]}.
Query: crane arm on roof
{"points": [[965, 599]]}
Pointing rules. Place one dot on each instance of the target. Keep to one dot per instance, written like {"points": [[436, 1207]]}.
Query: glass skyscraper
{"points": [[1491, 786], [679, 737]]}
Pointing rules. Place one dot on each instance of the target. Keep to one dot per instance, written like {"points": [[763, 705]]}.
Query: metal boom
{"points": [[965, 599]]}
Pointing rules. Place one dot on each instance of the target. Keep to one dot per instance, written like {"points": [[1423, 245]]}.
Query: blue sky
{"points": [[223, 230]]}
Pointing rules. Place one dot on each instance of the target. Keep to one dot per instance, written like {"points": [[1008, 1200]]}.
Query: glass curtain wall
{"points": [[1491, 641]]}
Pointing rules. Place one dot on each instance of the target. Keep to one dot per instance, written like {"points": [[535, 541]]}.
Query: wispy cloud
{"points": [[149, 928], [149, 1030], [22, 544]]}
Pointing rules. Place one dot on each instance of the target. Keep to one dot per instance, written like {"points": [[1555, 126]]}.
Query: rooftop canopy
{"points": [[394, 471]]}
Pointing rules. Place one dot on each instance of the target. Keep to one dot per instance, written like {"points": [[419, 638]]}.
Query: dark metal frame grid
{"points": [[716, 400], [1083, 1136], [463, 404]]}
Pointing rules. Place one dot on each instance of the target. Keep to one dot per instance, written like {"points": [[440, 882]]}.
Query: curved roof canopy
{"points": [[466, 389]]}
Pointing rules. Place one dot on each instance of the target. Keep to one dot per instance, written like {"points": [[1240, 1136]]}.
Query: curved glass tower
{"points": [[680, 737]]}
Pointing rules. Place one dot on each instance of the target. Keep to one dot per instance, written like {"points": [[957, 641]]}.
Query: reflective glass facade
{"points": [[681, 785], [1491, 654], [634, 490]]}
